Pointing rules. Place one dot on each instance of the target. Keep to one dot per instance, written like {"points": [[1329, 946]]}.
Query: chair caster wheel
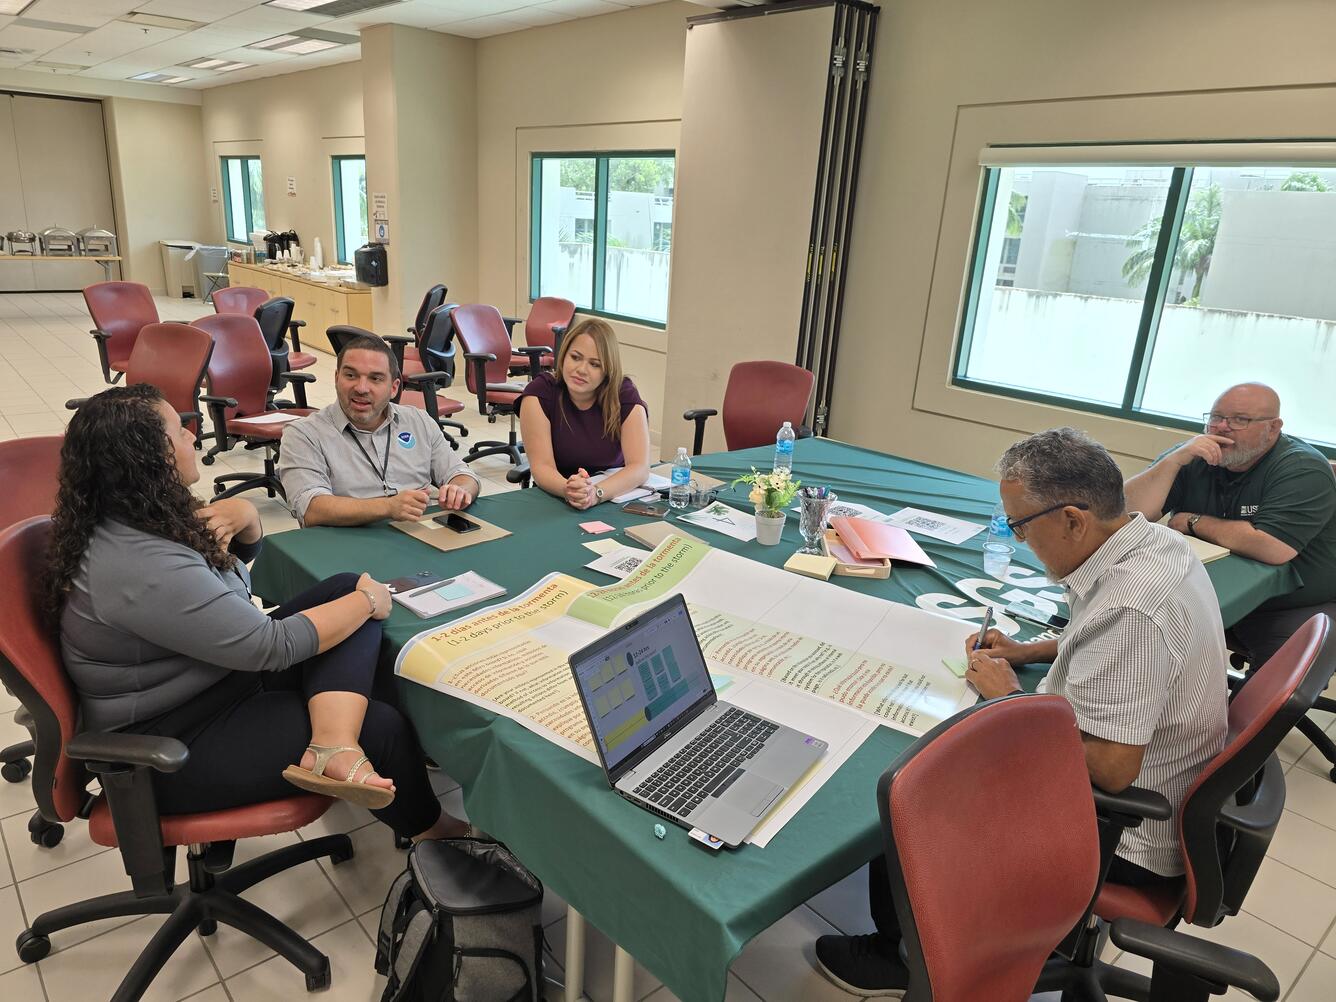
{"points": [[45, 833], [206, 460], [321, 980], [341, 856], [208, 927], [16, 771], [1332, 774], [32, 947], [402, 843]]}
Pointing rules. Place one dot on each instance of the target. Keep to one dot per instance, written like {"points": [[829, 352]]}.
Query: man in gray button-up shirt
{"points": [[364, 458]]}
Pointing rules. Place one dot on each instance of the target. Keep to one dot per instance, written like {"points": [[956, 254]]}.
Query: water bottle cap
{"points": [[788, 424]]}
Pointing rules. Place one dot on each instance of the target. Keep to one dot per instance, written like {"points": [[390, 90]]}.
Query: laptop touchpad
{"points": [[754, 794]]}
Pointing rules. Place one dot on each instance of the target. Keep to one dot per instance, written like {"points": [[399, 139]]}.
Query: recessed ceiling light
{"points": [[160, 21], [32, 22], [305, 41], [229, 67], [60, 66], [309, 45], [208, 63], [295, 4], [159, 77], [274, 43], [330, 8], [15, 6]]}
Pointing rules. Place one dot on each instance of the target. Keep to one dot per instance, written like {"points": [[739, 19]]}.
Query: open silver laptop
{"points": [[668, 743]]}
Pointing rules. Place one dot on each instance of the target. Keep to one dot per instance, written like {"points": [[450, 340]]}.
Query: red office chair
{"points": [[30, 471], [125, 814], [119, 311], [416, 389], [759, 398], [993, 854], [487, 354], [412, 362], [239, 376], [173, 357], [242, 300], [549, 319], [1225, 826]]}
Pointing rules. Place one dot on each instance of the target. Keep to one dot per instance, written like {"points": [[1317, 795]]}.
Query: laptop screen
{"points": [[641, 680]]}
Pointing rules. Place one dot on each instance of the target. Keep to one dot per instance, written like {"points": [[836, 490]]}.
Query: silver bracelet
{"points": [[370, 598]]}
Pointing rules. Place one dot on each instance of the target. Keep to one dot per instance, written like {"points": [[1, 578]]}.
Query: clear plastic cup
{"points": [[997, 559]]}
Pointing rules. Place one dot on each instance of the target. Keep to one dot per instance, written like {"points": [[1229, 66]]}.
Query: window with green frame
{"points": [[1143, 289], [601, 232], [350, 216], [243, 197]]}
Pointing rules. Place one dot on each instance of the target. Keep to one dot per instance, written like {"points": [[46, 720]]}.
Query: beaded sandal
{"points": [[355, 791]]}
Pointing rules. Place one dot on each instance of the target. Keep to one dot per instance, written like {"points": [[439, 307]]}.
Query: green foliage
{"points": [[1304, 180], [1196, 241], [1016, 213], [649, 175]]}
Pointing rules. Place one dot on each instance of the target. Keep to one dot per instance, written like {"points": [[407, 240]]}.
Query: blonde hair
{"points": [[610, 393]]}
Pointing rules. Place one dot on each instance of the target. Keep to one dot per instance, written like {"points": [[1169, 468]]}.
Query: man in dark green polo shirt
{"points": [[1262, 494]]}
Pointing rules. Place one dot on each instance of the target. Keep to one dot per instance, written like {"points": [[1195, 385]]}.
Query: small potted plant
{"points": [[771, 493]]}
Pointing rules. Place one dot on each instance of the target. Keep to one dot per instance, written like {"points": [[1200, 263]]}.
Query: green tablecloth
{"points": [[682, 913]]}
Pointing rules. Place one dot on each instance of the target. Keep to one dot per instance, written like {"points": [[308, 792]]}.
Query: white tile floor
{"points": [[46, 357]]}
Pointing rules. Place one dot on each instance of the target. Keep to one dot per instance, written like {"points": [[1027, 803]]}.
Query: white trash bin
{"points": [[177, 272]]}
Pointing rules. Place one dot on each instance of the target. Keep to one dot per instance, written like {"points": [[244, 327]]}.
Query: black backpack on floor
{"points": [[462, 924]]}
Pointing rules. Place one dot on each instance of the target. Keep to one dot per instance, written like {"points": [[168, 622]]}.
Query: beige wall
{"points": [[954, 74], [421, 98], [157, 197], [294, 123], [602, 83]]}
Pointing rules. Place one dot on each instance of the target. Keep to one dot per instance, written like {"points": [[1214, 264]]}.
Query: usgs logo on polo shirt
{"points": [[406, 439]]}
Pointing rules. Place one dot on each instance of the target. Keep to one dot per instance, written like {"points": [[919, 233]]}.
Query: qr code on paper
{"points": [[627, 564], [921, 522]]}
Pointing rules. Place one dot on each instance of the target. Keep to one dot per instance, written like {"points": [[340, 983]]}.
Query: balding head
{"points": [[1258, 407], [1256, 400]]}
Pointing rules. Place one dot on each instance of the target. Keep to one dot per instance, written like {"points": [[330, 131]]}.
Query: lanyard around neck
{"points": [[385, 463]]}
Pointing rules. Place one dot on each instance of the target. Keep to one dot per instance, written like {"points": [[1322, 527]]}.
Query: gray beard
{"points": [[1234, 456]]}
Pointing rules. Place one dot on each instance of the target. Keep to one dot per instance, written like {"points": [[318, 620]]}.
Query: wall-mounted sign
{"points": [[292, 186], [380, 232], [213, 194]]}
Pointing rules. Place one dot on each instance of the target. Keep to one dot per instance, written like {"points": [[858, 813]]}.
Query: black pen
{"points": [[983, 630]]}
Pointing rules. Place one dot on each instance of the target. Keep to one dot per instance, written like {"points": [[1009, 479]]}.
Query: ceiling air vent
{"points": [[330, 8]]}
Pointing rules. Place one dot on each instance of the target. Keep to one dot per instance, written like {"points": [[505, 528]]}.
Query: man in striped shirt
{"points": [[1142, 662]]}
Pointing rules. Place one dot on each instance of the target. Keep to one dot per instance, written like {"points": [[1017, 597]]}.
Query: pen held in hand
{"points": [[984, 627]]}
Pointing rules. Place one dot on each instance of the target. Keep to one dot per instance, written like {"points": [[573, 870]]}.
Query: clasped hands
{"points": [[579, 490]]}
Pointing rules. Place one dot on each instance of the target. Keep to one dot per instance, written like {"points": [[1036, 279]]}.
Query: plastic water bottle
{"points": [[998, 530], [1000, 546], [784, 447], [679, 492]]}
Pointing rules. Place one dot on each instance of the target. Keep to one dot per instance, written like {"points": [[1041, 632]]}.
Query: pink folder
{"points": [[870, 540]]}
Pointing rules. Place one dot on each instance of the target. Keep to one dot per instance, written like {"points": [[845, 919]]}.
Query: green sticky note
{"points": [[453, 591], [957, 666]]}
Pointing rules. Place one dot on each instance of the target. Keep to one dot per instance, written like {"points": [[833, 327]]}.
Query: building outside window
{"points": [[350, 211], [1143, 289], [243, 197], [602, 232]]}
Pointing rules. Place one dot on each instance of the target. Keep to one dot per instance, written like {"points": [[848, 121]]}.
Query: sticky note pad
{"points": [[597, 527], [453, 591], [957, 666], [602, 546]]}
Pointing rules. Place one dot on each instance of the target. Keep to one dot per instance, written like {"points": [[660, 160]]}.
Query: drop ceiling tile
{"points": [[261, 57], [463, 10], [483, 27], [92, 13], [111, 41], [196, 10], [38, 40], [177, 50], [271, 20], [586, 8], [118, 69], [541, 14]]}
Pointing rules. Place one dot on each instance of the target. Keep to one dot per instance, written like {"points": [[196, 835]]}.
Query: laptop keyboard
{"points": [[706, 764]]}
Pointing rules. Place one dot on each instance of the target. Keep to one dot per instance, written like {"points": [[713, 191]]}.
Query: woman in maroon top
{"points": [[583, 418]]}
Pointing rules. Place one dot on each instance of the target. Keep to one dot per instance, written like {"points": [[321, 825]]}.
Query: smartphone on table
{"points": [[1033, 614], [410, 581], [456, 522], [654, 509]]}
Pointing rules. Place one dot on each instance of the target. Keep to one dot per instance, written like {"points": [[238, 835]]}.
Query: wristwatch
{"points": [[1192, 524], [598, 493]]}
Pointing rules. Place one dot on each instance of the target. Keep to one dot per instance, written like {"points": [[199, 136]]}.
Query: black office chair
{"points": [[275, 319], [412, 358]]}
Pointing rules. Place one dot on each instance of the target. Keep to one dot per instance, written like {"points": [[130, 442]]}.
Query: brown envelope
{"points": [[444, 538]]}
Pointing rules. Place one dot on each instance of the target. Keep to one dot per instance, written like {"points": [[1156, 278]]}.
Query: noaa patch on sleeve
{"points": [[406, 440]]}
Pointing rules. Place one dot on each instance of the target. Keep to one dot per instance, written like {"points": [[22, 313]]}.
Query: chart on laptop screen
{"points": [[631, 688]]}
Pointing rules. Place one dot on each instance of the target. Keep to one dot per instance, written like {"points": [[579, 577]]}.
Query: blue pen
{"points": [[983, 630]]}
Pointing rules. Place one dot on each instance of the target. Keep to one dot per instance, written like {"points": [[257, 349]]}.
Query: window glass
{"points": [[350, 210], [256, 193], [565, 250], [640, 196], [243, 198], [1065, 258], [1250, 295]]}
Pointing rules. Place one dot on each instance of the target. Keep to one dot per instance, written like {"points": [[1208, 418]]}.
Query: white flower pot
{"points": [[769, 528]]}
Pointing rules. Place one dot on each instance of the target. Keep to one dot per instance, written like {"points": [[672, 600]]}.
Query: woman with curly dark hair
{"points": [[160, 636]]}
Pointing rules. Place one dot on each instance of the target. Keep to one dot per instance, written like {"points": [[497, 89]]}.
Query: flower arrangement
{"points": [[771, 492]]}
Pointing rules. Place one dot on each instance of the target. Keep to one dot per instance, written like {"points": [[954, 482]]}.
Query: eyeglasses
{"points": [[1015, 524], [1235, 422]]}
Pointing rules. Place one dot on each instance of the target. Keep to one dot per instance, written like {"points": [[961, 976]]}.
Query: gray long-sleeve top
{"points": [[148, 625]]}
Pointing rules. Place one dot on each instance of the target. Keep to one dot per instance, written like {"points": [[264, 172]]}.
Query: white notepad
{"points": [[446, 596]]}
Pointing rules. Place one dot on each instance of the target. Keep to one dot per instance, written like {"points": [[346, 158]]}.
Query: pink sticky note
{"points": [[596, 527]]}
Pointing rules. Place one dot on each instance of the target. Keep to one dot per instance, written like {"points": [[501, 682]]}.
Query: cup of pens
{"points": [[813, 508]]}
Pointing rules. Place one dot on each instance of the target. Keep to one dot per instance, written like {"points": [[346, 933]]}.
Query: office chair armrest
{"points": [[1131, 807], [535, 354], [76, 403], [699, 415], [804, 432], [477, 361], [101, 335], [188, 416], [1261, 814], [1198, 958], [218, 415], [510, 323], [288, 377], [426, 381], [558, 332], [212, 401], [294, 326], [114, 748], [399, 339], [520, 474]]}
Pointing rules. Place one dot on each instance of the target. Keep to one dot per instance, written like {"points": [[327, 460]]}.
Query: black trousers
{"points": [[1265, 631], [243, 731], [888, 923]]}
